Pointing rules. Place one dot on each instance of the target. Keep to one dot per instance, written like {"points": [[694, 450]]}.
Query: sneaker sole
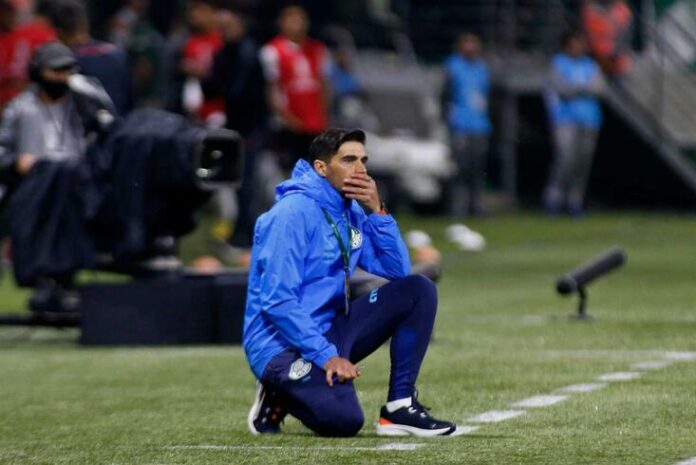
{"points": [[405, 430], [255, 408]]}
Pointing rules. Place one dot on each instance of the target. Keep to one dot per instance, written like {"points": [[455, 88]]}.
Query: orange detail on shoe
{"points": [[384, 421]]}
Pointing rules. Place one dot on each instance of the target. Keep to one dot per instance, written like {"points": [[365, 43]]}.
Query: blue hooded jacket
{"points": [[296, 277]]}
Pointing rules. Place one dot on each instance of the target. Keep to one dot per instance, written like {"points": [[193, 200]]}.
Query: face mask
{"points": [[54, 89]]}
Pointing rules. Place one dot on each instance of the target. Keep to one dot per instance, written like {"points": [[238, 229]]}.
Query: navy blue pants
{"points": [[403, 310]]}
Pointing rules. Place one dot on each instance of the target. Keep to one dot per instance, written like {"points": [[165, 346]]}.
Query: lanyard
{"points": [[345, 254]]}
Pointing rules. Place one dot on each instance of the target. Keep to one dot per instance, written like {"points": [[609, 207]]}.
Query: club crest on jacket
{"points": [[355, 238]]}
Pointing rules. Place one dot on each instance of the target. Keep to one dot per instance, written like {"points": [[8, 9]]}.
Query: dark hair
{"points": [[7, 5], [45, 8], [216, 4], [572, 35], [465, 34], [286, 5], [69, 17], [326, 144]]}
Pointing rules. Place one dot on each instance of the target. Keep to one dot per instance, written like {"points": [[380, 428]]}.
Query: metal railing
{"points": [[663, 82]]}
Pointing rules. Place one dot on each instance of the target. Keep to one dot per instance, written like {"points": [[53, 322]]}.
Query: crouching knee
{"points": [[420, 285], [341, 424], [422, 290]]}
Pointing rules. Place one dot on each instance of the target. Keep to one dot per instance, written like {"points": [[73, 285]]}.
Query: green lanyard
{"points": [[345, 253]]}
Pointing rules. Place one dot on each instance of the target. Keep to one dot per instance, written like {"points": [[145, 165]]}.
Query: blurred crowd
{"points": [[280, 94]]}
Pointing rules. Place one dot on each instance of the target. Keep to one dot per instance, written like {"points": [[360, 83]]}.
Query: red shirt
{"points": [[605, 26], [201, 49], [299, 69], [16, 49]]}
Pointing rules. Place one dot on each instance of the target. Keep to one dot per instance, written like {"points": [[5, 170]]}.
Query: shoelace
{"points": [[417, 407], [417, 403]]}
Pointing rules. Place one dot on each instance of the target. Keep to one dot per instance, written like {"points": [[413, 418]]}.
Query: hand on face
{"points": [[361, 187], [347, 173]]}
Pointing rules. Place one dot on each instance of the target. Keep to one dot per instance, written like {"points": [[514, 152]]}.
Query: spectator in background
{"points": [[349, 106], [43, 137], [131, 31], [608, 27], [10, 78], [575, 115], [171, 76], [196, 63], [343, 80], [465, 103], [237, 79], [296, 69], [18, 43], [102, 60]]}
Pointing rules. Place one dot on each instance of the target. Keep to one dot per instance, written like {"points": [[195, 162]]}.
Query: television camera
{"points": [[151, 172]]}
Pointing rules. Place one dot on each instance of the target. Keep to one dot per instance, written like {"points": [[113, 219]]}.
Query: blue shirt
{"points": [[296, 277], [469, 84], [583, 109], [343, 82]]}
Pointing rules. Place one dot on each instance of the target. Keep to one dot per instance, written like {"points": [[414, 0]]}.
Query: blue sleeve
{"points": [[384, 252], [282, 257]]}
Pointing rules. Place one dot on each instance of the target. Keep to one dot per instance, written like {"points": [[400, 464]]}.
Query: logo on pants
{"points": [[299, 369]]}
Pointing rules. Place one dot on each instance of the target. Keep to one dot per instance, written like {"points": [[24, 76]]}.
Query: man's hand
{"points": [[342, 368], [25, 162], [362, 188]]}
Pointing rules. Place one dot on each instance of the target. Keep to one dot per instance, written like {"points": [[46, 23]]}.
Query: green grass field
{"points": [[502, 336]]}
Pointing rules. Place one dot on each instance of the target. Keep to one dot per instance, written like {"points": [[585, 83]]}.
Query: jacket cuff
{"points": [[380, 219], [324, 356]]}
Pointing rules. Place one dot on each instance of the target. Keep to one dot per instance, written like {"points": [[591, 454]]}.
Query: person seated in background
{"points": [[43, 138], [465, 103], [302, 334], [575, 117], [102, 60]]}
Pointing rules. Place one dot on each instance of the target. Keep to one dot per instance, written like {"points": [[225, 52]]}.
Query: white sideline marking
{"points": [[495, 416], [540, 401], [584, 387], [388, 447], [619, 376], [681, 356], [672, 355], [691, 461], [463, 429], [396, 446], [651, 365]]}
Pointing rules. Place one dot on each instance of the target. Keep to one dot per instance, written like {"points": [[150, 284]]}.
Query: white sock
{"points": [[395, 405]]}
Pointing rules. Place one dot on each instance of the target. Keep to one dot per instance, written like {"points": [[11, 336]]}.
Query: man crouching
{"points": [[302, 333]]}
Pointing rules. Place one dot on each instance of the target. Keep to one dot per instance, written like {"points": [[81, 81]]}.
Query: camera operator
{"points": [[44, 136]]}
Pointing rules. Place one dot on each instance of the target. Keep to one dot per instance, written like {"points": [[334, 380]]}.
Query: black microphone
{"points": [[586, 273]]}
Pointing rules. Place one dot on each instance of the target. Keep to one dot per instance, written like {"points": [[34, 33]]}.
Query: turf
{"points": [[502, 335]]}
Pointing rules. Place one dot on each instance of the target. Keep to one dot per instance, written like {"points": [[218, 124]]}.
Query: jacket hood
{"points": [[305, 181]]}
